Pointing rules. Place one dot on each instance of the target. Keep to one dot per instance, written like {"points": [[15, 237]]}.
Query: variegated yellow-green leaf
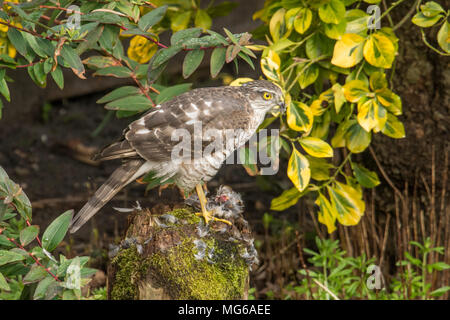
{"points": [[357, 21], [339, 97], [348, 51], [378, 80], [290, 17], [181, 21], [240, 81], [318, 107], [303, 20], [431, 9], [347, 202], [270, 65], [327, 213], [299, 116], [335, 31], [371, 115], [287, 199], [298, 170], [321, 126], [443, 37], [379, 51], [338, 140], [316, 147], [332, 11], [203, 20], [365, 177], [390, 100], [320, 168], [356, 138], [355, 90], [277, 25], [308, 75], [423, 21], [393, 127]]}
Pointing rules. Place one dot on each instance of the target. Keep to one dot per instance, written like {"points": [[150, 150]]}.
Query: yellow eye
{"points": [[267, 96]]}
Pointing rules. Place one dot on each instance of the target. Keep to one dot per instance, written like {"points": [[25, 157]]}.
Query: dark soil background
{"points": [[37, 143]]}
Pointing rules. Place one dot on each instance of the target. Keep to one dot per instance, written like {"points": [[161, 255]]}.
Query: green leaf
{"points": [[393, 127], [443, 37], [36, 273], [152, 18], [202, 20], [98, 62], [17, 40], [4, 90], [339, 97], [247, 158], [320, 168], [356, 138], [28, 234], [192, 61], [43, 287], [3, 284], [34, 44], [332, 11], [365, 177], [119, 93], [431, 9], [298, 170], [164, 55], [170, 92], [116, 71], [287, 199], [102, 17], [74, 61], [131, 103], [335, 31], [319, 45], [316, 147], [439, 266], [439, 292], [58, 77], [91, 39], [217, 61], [56, 231], [183, 35], [9, 256], [222, 9], [299, 116], [308, 76]]}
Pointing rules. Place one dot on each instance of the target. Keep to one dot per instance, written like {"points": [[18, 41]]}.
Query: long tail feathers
{"points": [[122, 176]]}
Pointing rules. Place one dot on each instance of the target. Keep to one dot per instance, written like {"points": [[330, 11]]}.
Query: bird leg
{"points": [[207, 215]]}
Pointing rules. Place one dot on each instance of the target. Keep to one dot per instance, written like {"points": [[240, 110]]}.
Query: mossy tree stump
{"points": [[175, 256]]}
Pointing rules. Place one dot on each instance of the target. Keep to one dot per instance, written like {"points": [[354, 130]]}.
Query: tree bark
{"points": [[175, 256]]}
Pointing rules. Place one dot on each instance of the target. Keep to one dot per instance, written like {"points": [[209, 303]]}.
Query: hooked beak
{"points": [[281, 107]]}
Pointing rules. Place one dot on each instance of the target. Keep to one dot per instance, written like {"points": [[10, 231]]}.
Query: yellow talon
{"points": [[207, 215]]}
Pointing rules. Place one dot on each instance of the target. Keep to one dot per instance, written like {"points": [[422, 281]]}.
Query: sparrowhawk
{"points": [[148, 144]]}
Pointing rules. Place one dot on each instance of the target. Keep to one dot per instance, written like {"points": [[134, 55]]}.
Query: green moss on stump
{"points": [[170, 262]]}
